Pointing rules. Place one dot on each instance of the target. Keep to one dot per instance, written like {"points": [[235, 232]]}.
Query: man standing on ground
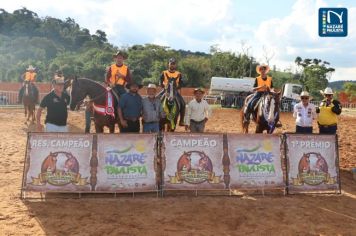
{"points": [[305, 113], [328, 111], [152, 110], [56, 103], [130, 109], [198, 113]]}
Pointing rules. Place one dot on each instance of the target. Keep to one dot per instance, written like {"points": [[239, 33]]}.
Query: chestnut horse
{"points": [[265, 115], [29, 101], [82, 87]]}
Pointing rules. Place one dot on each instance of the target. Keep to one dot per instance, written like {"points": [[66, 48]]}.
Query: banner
{"points": [[126, 163], [255, 161], [193, 161], [312, 163], [58, 162]]}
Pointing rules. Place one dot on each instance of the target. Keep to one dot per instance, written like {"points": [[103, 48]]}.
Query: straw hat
{"points": [[305, 94], [30, 67], [199, 90], [120, 53], [152, 86], [58, 80], [258, 68], [328, 90]]}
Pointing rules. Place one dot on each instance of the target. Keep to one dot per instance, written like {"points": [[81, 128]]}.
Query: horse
{"points": [[171, 107], [50, 163], [29, 101], [265, 115], [104, 114]]}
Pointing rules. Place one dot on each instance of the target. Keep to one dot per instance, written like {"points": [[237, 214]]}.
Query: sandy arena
{"points": [[174, 215]]}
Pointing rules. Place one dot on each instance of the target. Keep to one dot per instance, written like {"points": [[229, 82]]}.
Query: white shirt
{"points": [[197, 111], [304, 115]]}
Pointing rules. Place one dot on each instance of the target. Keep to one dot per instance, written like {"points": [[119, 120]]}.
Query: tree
{"points": [[350, 90], [314, 74]]}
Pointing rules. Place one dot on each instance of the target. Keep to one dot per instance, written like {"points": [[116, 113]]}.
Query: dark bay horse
{"points": [[265, 115], [29, 100], [104, 115], [170, 107]]}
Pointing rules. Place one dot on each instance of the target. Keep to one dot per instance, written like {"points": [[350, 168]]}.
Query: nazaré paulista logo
{"points": [[332, 22]]}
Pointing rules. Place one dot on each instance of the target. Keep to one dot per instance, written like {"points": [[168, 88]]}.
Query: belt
{"points": [[133, 119], [150, 122], [197, 122], [327, 126]]}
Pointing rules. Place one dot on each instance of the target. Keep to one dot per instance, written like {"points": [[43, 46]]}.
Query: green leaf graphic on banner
{"points": [[121, 151]]}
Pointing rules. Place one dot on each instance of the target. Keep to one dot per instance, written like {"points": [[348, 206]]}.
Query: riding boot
{"points": [[182, 111], [20, 95]]}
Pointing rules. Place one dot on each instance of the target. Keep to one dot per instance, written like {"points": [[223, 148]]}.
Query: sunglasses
{"points": [[328, 95], [304, 98]]}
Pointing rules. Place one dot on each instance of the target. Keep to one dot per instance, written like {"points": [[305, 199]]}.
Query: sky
{"points": [[280, 29]]}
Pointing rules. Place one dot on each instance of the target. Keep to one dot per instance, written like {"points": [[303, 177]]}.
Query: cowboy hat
{"points": [[151, 86], [128, 85], [30, 67], [327, 90], [172, 60], [58, 80], [305, 94], [120, 53], [263, 65], [198, 90]]}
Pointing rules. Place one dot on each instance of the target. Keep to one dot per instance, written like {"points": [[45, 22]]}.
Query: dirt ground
{"points": [[187, 214]]}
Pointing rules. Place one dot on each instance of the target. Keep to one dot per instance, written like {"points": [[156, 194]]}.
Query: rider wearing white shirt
{"points": [[305, 113]]}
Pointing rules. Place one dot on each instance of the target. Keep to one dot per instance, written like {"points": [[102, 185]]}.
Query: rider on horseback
{"points": [[166, 77], [29, 77], [263, 84], [118, 74]]}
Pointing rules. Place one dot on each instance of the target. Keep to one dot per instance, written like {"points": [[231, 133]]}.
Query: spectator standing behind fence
{"points": [[198, 113], [56, 103], [130, 109], [152, 110], [328, 111], [305, 113]]}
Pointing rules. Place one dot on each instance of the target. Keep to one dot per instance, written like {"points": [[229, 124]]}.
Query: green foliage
{"points": [[350, 90], [315, 74]]}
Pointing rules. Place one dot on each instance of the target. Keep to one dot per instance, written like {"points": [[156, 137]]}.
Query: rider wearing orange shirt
{"points": [[118, 74], [263, 84], [176, 76], [29, 76]]}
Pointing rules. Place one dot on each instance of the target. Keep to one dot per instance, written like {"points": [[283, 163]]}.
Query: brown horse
{"points": [[80, 88], [265, 115], [29, 101], [50, 163]]}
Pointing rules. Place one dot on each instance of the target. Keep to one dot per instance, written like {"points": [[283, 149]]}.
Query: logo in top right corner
{"points": [[332, 22]]}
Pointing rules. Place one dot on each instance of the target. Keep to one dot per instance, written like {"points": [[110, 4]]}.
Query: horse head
{"points": [[271, 109], [50, 163], [77, 94], [170, 91]]}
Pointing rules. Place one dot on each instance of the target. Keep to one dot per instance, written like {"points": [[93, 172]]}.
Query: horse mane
{"points": [[91, 81]]}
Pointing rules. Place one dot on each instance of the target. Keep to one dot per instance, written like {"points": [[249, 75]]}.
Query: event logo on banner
{"points": [[312, 161], [58, 162], [193, 161], [255, 161], [126, 163]]}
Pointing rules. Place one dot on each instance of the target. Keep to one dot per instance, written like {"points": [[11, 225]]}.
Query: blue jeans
{"points": [[152, 127], [303, 130], [253, 101], [331, 129]]}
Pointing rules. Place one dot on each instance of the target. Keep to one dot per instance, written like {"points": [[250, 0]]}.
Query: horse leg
{"points": [[99, 128], [259, 129], [112, 128]]}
